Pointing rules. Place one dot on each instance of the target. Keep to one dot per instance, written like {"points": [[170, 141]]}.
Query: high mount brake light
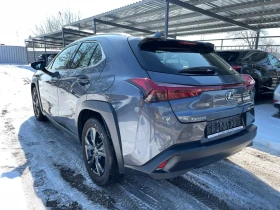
{"points": [[154, 92], [188, 43]]}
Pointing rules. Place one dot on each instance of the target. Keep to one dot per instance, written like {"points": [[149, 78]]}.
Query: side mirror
{"points": [[38, 65]]}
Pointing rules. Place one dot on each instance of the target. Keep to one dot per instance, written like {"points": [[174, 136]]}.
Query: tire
{"points": [[256, 89], [36, 106], [99, 154]]}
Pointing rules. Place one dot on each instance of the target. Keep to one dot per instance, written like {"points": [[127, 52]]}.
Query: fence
{"points": [[32, 55], [267, 43], [13, 55]]}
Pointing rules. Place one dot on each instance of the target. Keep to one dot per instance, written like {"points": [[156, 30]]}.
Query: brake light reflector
{"points": [[161, 166], [249, 81]]}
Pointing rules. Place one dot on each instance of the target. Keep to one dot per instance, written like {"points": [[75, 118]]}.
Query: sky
{"points": [[18, 17]]}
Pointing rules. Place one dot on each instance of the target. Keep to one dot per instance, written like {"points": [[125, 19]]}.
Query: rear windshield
{"points": [[231, 56], [172, 58]]}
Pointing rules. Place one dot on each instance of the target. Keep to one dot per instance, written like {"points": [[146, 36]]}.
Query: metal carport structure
{"points": [[173, 18]]}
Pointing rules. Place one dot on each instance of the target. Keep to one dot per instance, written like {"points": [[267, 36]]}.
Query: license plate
{"points": [[222, 126]]}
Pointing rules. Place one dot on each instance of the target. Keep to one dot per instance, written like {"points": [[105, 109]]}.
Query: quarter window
{"points": [[63, 58], [83, 55], [97, 56]]}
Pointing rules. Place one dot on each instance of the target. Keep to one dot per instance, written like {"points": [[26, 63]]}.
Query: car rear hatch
{"points": [[199, 85]]}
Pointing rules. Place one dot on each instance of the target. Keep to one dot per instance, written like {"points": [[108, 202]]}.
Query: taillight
{"points": [[249, 81], [154, 92], [237, 68], [275, 101]]}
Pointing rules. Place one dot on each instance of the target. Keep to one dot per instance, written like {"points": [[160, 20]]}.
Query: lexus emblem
{"points": [[229, 96]]}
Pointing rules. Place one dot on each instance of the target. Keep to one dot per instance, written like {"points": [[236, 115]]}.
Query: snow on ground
{"points": [[43, 168], [268, 128]]}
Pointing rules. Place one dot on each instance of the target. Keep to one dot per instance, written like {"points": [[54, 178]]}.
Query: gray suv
{"points": [[151, 106]]}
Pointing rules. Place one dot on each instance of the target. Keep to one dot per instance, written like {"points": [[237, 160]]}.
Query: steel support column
{"points": [[45, 51], [94, 26], [33, 51], [166, 19], [63, 40], [257, 40], [222, 42]]}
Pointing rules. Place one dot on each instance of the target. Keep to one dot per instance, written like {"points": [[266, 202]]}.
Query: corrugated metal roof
{"points": [[150, 15]]}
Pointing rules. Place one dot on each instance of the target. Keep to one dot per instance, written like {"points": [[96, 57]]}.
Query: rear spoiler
{"points": [[153, 44]]}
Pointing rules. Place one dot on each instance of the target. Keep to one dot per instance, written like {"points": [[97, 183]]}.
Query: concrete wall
{"points": [[13, 55]]}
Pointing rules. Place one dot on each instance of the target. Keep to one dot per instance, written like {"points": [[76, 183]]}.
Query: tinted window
{"points": [[229, 56], [259, 58], [63, 58], [83, 55], [273, 60], [174, 61], [97, 56]]}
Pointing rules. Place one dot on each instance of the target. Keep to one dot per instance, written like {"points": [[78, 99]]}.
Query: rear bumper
{"points": [[184, 157]]}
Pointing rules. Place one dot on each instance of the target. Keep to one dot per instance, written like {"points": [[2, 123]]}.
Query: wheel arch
{"points": [[104, 112]]}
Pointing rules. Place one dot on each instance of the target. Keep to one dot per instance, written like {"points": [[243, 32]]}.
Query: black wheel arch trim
{"points": [[109, 116]]}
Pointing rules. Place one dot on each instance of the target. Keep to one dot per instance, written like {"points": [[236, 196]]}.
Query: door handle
{"points": [[83, 80]]}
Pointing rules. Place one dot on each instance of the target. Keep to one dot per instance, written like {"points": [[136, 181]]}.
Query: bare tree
{"points": [[246, 37], [55, 22]]}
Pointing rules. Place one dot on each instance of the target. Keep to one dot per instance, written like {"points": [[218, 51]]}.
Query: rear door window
{"points": [[173, 56]]}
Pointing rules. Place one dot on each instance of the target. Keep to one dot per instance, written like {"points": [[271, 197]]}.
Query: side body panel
{"points": [[48, 94], [71, 92]]}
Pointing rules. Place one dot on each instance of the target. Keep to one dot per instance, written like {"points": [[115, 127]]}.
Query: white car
{"points": [[276, 97]]}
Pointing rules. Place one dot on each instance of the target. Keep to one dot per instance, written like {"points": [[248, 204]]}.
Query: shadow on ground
{"points": [[61, 181]]}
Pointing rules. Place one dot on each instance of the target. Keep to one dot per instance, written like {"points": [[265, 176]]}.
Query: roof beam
{"points": [[110, 12], [210, 14], [217, 10], [212, 20], [224, 25], [76, 32], [123, 26], [58, 39], [156, 11]]}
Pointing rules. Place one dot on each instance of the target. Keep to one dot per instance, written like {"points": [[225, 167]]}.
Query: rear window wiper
{"points": [[200, 70]]}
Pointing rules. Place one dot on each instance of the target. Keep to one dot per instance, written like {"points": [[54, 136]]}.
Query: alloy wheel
{"points": [[35, 101], [95, 153]]}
